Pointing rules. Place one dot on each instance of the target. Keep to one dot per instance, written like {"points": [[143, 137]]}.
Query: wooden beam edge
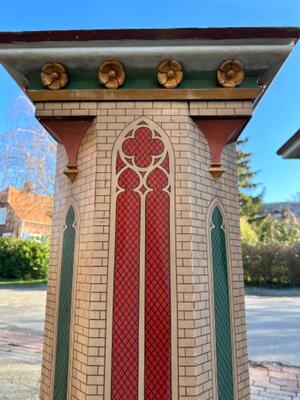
{"points": [[141, 94]]}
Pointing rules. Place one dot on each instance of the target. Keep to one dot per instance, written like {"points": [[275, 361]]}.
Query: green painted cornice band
{"points": [[141, 79]]}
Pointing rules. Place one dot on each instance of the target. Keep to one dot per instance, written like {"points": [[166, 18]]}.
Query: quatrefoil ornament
{"points": [[170, 74], [143, 147], [54, 76], [230, 73], [111, 74]]}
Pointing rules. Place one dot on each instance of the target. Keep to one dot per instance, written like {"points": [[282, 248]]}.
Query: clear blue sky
{"points": [[277, 116]]}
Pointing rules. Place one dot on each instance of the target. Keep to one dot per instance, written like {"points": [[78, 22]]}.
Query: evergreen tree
{"points": [[250, 204]]}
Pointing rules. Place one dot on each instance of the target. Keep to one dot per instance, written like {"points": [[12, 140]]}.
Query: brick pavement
{"points": [[22, 315], [21, 359], [270, 381]]}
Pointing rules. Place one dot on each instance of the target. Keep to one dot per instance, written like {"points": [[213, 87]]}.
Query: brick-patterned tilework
{"points": [[194, 189], [83, 193], [220, 108], [226, 191]]}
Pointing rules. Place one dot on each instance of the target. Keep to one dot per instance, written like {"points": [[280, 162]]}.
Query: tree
{"points": [[250, 204], [248, 234], [285, 231], [27, 151], [296, 197]]}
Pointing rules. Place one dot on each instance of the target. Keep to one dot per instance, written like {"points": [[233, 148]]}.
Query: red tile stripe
{"points": [[139, 151], [126, 291], [158, 300]]}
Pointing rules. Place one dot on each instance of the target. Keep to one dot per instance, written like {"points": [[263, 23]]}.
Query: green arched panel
{"points": [[221, 308], [64, 311]]}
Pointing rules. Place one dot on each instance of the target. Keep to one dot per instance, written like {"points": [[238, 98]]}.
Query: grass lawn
{"points": [[20, 282]]}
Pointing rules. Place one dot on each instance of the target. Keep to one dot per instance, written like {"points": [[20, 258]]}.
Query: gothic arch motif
{"points": [[221, 304], [142, 315], [63, 351]]}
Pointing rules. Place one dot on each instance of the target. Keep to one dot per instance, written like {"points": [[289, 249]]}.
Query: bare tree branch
{"points": [[27, 151]]}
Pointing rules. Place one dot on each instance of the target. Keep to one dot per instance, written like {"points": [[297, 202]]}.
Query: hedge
{"points": [[264, 264], [23, 259], [272, 264]]}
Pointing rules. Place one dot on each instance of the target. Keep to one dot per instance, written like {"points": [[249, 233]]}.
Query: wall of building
{"points": [[36, 228], [18, 228], [13, 223], [195, 191]]}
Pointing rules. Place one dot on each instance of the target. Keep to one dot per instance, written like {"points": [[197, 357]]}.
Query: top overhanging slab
{"points": [[291, 148], [200, 50]]}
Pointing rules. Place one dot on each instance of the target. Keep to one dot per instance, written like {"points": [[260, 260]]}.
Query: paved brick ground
{"points": [[21, 381], [21, 327], [271, 381]]}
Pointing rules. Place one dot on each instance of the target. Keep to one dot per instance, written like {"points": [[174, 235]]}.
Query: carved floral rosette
{"points": [[230, 73], [111, 74], [54, 76], [170, 74]]}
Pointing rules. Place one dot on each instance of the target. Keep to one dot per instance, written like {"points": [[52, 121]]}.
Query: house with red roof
{"points": [[25, 214]]}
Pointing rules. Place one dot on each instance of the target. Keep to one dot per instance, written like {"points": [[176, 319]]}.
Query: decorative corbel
{"points": [[220, 131], [69, 132]]}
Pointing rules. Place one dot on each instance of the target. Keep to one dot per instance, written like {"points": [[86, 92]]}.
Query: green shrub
{"points": [[23, 259], [272, 264], [248, 235]]}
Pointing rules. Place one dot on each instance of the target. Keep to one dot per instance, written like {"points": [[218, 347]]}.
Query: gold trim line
{"points": [[144, 94]]}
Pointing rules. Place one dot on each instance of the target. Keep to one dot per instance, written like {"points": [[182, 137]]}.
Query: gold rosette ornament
{"points": [[111, 74], [230, 73], [170, 74], [54, 76]]}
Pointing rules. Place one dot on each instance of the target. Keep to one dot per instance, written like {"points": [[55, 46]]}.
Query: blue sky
{"points": [[276, 117]]}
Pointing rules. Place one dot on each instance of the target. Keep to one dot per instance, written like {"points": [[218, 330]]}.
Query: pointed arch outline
{"points": [[173, 280], [217, 203], [76, 224]]}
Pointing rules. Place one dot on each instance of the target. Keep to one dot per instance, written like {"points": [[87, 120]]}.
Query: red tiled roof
{"points": [[30, 206]]}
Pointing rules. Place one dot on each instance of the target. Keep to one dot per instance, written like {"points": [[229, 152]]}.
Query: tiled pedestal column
{"points": [[145, 294]]}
